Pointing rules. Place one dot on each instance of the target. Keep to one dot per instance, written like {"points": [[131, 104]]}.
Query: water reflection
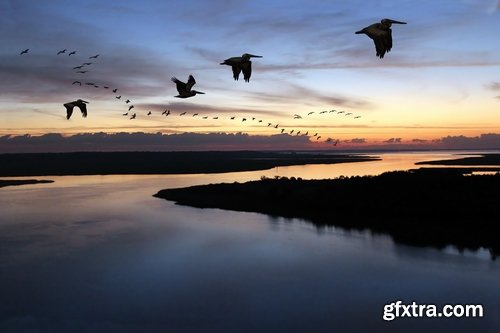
{"points": [[100, 254]]}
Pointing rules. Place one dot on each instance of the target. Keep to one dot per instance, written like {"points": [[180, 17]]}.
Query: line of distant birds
{"points": [[380, 33]]}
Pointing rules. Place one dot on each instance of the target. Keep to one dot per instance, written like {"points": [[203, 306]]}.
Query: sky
{"points": [[440, 80]]}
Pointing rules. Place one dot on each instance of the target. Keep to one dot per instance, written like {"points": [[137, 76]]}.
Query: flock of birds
{"points": [[380, 33]]}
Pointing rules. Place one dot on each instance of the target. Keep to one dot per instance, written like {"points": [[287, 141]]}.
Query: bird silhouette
{"points": [[184, 89], [130, 107], [296, 116], [127, 101], [166, 112], [195, 114], [80, 103], [282, 130], [125, 114], [94, 57], [82, 72], [105, 87], [381, 34], [206, 117], [310, 113], [115, 90], [77, 82], [133, 116], [78, 67], [244, 119], [61, 52], [357, 117], [87, 63], [24, 51], [348, 113], [149, 113], [118, 97], [71, 53], [183, 113], [215, 118], [241, 64], [232, 118], [323, 112]]}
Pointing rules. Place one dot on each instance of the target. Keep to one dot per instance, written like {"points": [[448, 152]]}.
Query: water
{"points": [[100, 254]]}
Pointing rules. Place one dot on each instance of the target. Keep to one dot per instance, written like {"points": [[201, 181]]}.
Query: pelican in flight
{"points": [[77, 82], [183, 113], [357, 117], [381, 34], [78, 67], [149, 113], [71, 53], [310, 113], [62, 51], [94, 57], [115, 90], [184, 89], [81, 105], [241, 64], [130, 107], [24, 51], [127, 101], [133, 116]]}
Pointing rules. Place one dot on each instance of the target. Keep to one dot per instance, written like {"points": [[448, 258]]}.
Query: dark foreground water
{"points": [[100, 254]]}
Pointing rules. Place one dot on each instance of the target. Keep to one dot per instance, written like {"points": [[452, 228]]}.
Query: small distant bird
{"points": [[316, 134], [78, 67], [215, 118], [115, 90], [71, 53], [82, 72], [130, 107], [348, 113], [329, 139], [87, 63], [133, 116], [323, 112], [184, 89], [232, 118], [77, 82], [319, 137], [298, 132], [282, 130], [165, 112], [269, 124], [241, 64], [106, 87], [127, 101], [260, 121], [149, 113], [357, 117], [62, 51], [306, 133], [340, 112], [95, 85], [94, 57], [332, 111], [276, 126], [297, 117], [381, 34], [183, 113], [118, 97], [125, 114], [80, 103], [89, 83], [310, 113], [336, 142], [244, 119], [195, 114], [253, 118], [24, 51], [291, 132], [206, 117]]}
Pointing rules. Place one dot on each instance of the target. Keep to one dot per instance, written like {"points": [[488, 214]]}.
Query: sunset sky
{"points": [[442, 77]]}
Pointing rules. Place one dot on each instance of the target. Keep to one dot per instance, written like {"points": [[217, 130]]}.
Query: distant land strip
{"points": [[15, 182], [111, 163], [486, 159], [425, 207]]}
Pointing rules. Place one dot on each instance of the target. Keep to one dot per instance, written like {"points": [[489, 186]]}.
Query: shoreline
{"points": [[105, 163], [18, 182], [424, 207]]}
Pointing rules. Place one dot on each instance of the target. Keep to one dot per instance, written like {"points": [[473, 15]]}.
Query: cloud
{"points": [[493, 86], [357, 140], [419, 141], [393, 140]]}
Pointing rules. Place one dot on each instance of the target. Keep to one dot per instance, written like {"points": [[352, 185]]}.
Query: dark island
{"points": [[13, 182], [425, 207], [112, 163]]}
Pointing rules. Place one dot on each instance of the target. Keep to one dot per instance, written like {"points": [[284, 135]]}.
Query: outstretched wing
{"points": [[246, 67], [69, 110], [181, 86], [382, 38], [191, 82], [236, 71], [83, 108]]}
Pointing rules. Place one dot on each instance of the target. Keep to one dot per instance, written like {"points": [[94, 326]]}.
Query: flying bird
{"points": [[206, 117], [127, 101], [167, 112], [130, 107], [82, 72], [195, 114], [87, 63], [348, 113], [310, 113], [71, 53], [78, 67], [357, 117], [125, 114], [184, 89], [133, 116], [89, 83], [77, 82], [80, 103], [282, 130], [244, 119], [115, 90], [241, 64], [183, 113], [381, 34], [232, 118], [149, 113], [94, 57], [118, 97], [215, 118], [323, 112], [62, 51], [24, 51]]}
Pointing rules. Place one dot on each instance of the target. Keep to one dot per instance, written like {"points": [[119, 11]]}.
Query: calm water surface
{"points": [[100, 254]]}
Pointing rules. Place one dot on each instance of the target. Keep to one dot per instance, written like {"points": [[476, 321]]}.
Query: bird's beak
{"points": [[254, 56], [85, 102], [199, 92], [397, 22]]}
